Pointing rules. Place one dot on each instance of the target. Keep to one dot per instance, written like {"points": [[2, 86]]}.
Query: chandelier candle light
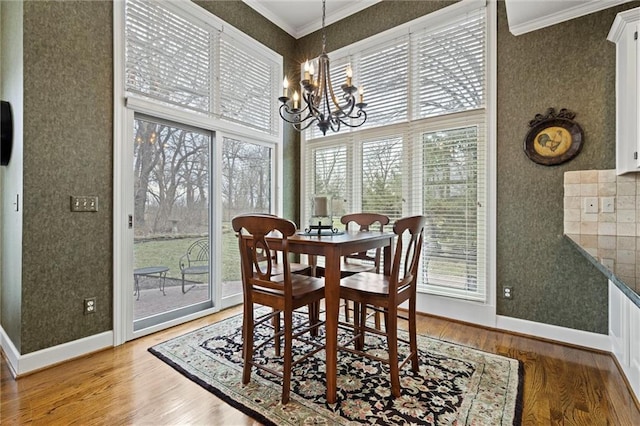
{"points": [[321, 105]]}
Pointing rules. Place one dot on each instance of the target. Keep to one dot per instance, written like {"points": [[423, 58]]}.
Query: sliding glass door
{"points": [[171, 221], [247, 187]]}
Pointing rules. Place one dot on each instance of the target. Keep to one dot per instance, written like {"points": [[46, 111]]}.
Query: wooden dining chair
{"points": [[365, 261], [274, 285], [385, 293]]}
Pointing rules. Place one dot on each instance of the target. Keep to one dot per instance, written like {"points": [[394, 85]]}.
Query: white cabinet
{"points": [[624, 33], [624, 333]]}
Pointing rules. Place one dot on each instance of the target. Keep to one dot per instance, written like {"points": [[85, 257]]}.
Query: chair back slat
{"points": [[410, 235], [199, 251], [366, 222]]}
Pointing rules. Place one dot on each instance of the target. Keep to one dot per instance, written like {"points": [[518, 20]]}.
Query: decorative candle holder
{"points": [[321, 217]]}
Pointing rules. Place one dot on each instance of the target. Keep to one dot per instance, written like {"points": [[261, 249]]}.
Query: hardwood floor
{"points": [[127, 385]]}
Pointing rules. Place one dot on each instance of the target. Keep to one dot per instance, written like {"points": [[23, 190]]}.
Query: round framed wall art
{"points": [[553, 138]]}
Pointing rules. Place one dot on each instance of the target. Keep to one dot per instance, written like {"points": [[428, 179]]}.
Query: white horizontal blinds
{"points": [[180, 55], [425, 87], [451, 178], [382, 164], [246, 80], [383, 72], [330, 177], [449, 66], [168, 58]]}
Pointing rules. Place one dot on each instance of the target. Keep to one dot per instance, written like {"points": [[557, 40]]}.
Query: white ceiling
{"points": [[302, 17]]}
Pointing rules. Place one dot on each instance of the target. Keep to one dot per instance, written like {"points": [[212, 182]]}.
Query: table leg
{"points": [[136, 287], [163, 277], [332, 302]]}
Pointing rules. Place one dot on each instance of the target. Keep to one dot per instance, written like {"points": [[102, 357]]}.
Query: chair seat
{"points": [[366, 282], [350, 268], [201, 269], [301, 285], [295, 268]]}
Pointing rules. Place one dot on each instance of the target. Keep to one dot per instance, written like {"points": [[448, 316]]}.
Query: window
{"points": [[204, 146], [424, 147], [191, 63]]}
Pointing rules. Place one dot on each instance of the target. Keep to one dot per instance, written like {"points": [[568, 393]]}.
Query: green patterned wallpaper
{"points": [[68, 150]]}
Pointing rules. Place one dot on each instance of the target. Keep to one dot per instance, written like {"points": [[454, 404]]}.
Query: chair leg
{"points": [[363, 324], [346, 310], [358, 332], [286, 373], [413, 343], [376, 318], [247, 342], [392, 343], [314, 315], [275, 321]]}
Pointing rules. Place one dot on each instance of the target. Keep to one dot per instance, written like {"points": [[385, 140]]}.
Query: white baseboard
{"points": [[570, 336], [23, 364]]}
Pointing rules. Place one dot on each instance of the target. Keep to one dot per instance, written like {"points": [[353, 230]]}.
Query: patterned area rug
{"points": [[456, 384]]}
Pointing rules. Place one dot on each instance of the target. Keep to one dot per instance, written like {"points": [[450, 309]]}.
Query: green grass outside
{"points": [[167, 252]]}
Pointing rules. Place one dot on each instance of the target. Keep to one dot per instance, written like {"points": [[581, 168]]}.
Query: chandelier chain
{"points": [[324, 35]]}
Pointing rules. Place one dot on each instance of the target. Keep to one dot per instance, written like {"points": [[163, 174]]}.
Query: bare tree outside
{"points": [[171, 186]]}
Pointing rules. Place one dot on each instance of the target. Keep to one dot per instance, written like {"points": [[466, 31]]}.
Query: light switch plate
{"points": [[590, 205], [84, 203], [608, 204], [607, 263]]}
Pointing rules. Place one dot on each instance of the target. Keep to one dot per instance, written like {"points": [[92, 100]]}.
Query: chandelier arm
{"points": [[346, 109], [311, 102], [296, 115], [361, 114]]}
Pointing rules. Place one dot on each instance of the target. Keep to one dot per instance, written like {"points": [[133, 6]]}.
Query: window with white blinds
{"points": [[424, 147], [382, 176], [449, 67], [451, 190], [193, 61], [330, 177]]}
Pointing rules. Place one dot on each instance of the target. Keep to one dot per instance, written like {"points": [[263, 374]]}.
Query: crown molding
{"points": [[271, 9], [543, 15]]}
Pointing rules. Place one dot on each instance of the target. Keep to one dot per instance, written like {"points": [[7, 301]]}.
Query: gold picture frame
{"points": [[553, 138]]}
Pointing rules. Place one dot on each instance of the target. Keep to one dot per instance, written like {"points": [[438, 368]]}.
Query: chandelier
{"points": [[321, 105]]}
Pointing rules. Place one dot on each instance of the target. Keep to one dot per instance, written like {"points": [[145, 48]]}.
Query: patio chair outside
{"points": [[196, 260]]}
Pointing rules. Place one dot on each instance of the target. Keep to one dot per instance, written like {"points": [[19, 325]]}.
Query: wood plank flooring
{"points": [[127, 385]]}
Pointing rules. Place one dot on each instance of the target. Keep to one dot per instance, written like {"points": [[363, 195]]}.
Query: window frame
{"points": [[126, 107], [479, 311]]}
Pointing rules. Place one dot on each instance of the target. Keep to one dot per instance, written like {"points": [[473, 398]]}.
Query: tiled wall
{"points": [[613, 198]]}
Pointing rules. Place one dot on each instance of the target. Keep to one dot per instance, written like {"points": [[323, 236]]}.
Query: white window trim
{"points": [[125, 108], [465, 310]]}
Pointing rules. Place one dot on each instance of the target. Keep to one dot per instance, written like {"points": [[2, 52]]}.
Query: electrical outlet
{"points": [[81, 203], [590, 205], [507, 292], [90, 306], [608, 204]]}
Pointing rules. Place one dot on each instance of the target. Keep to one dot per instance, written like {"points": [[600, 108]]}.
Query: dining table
{"points": [[332, 246]]}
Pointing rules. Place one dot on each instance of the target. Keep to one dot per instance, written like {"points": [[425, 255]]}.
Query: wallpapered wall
{"points": [[68, 104], [570, 65], [68, 150]]}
